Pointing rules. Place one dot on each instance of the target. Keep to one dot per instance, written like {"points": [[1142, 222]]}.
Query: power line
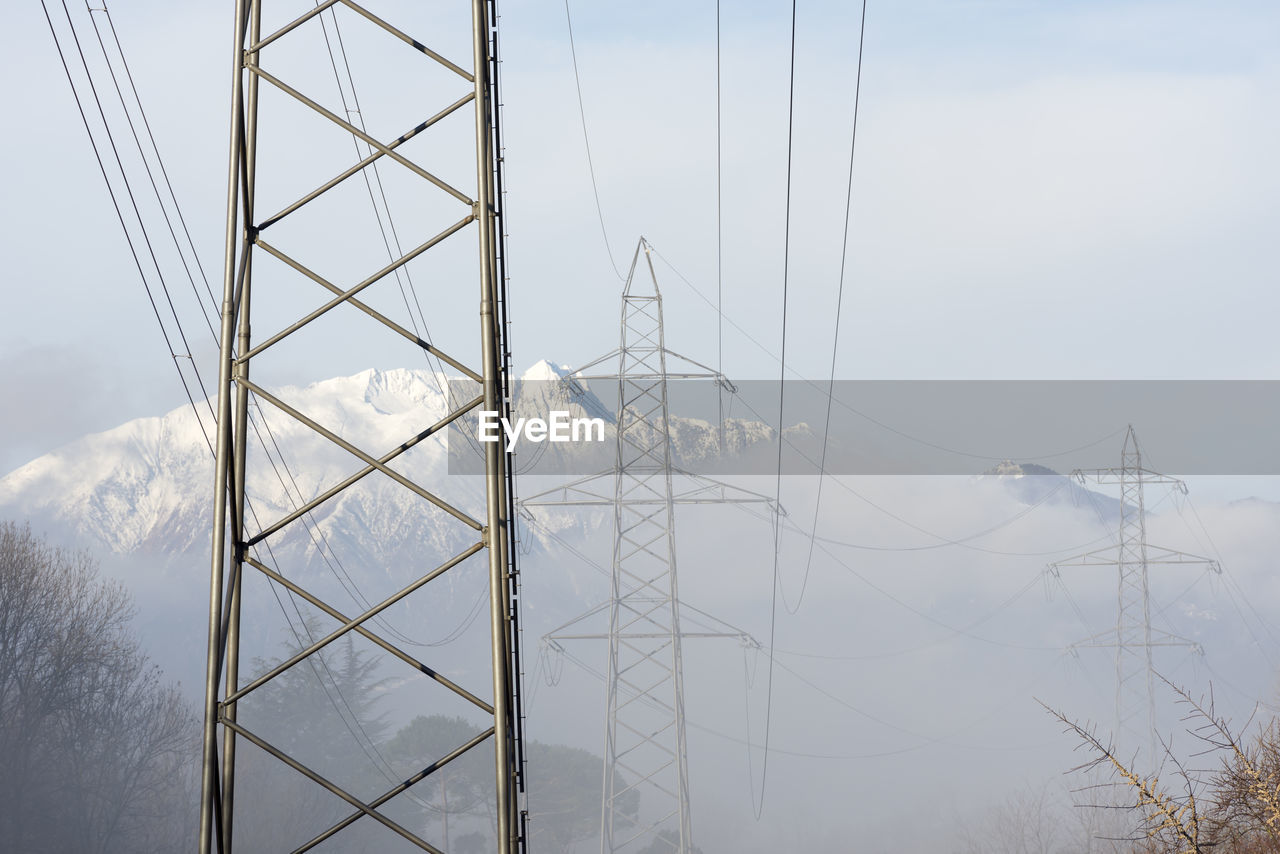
{"points": [[142, 226], [195, 256], [719, 241], [900, 602], [348, 109], [586, 141], [777, 523], [966, 631], [954, 631], [129, 190], [133, 251], [847, 407], [217, 780], [925, 740], [330, 557], [835, 338], [1231, 580], [945, 541]]}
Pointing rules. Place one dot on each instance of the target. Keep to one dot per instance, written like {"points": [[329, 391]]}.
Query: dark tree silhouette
{"points": [[98, 751]]}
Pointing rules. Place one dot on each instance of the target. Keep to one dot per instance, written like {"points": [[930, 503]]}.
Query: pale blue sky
{"points": [[1042, 190]]}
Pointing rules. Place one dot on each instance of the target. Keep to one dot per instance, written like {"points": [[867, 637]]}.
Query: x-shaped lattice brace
{"points": [[237, 352]]}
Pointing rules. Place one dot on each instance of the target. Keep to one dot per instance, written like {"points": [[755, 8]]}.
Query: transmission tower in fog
{"points": [[1133, 637], [645, 749], [444, 88]]}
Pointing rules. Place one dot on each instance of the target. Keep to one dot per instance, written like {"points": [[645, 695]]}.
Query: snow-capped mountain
{"points": [[1034, 484], [139, 497], [146, 487]]}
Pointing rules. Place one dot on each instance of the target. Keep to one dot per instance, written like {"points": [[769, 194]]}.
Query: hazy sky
{"points": [[1042, 190]]}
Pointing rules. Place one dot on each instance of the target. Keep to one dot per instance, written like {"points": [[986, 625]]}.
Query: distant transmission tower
{"points": [[1133, 638], [645, 751], [467, 91]]}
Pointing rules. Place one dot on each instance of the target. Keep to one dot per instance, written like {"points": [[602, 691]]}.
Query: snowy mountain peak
{"points": [[545, 371], [147, 484], [1008, 468]]}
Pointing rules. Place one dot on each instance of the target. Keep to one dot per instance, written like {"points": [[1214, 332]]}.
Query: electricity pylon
{"points": [[1133, 638], [645, 751], [235, 543]]}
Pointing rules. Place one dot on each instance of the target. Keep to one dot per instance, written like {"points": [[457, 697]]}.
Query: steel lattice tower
{"points": [[477, 211], [645, 749], [1133, 637]]}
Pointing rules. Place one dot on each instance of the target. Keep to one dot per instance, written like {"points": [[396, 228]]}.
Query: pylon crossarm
{"points": [[576, 374], [653, 635], [352, 449], [705, 373], [1105, 556], [367, 470], [724, 493], [1110, 476], [649, 376], [370, 635], [1137, 644], [731, 631], [1108, 556], [396, 790], [353, 623], [1159, 554], [573, 487], [590, 612], [705, 491], [644, 653], [333, 788], [1111, 639], [709, 372]]}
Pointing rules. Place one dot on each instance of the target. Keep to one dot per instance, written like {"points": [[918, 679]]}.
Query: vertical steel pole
{"points": [[210, 783], [241, 427], [496, 527]]}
